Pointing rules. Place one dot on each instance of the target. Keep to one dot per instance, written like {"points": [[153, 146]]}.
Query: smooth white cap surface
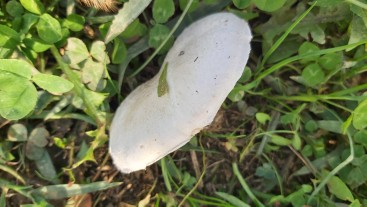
{"points": [[204, 65]]}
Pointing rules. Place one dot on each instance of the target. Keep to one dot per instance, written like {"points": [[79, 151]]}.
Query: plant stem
{"points": [[79, 88]]}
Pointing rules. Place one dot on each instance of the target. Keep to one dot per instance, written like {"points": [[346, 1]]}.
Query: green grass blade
{"points": [[232, 199], [12, 172], [2, 198], [68, 190], [279, 65], [164, 41], [285, 35], [130, 11], [245, 186], [133, 51], [337, 168], [165, 174]]}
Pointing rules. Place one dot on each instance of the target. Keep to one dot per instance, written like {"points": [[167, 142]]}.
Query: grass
{"points": [[291, 133]]}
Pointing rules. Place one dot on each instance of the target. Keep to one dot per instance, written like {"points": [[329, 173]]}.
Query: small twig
{"points": [[310, 167], [195, 164], [102, 164]]}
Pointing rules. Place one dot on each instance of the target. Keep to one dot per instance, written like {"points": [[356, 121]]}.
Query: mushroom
{"points": [[198, 73]]}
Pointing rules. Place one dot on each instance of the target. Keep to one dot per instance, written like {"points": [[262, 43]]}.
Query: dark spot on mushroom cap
{"points": [[181, 53], [196, 59]]}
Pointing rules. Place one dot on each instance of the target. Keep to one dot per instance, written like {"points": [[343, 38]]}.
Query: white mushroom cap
{"points": [[203, 66]]}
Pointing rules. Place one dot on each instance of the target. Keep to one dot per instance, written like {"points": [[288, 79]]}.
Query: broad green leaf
{"points": [[34, 152], [95, 97], [311, 126], [93, 75], [16, 67], [162, 84], [157, 35], [313, 75], [262, 117], [36, 44], [296, 142], [331, 61], [279, 140], [330, 125], [119, 51], [358, 30], [97, 50], [49, 29], [39, 136], [360, 116], [130, 11], [289, 118], [241, 4], [236, 94], [246, 75], [356, 203], [68, 190], [338, 188], [357, 176], [28, 20], [232, 199], [46, 167], [74, 22], [14, 8], [53, 84], [360, 137], [360, 12], [163, 10], [297, 198], [135, 29], [305, 48], [269, 5], [18, 96], [9, 38], [17, 133], [33, 6], [76, 51]]}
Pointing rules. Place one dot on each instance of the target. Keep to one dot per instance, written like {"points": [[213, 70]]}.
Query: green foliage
{"points": [[49, 29], [74, 22], [241, 4], [53, 84], [163, 10], [157, 35], [33, 6], [269, 5], [312, 75]]}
